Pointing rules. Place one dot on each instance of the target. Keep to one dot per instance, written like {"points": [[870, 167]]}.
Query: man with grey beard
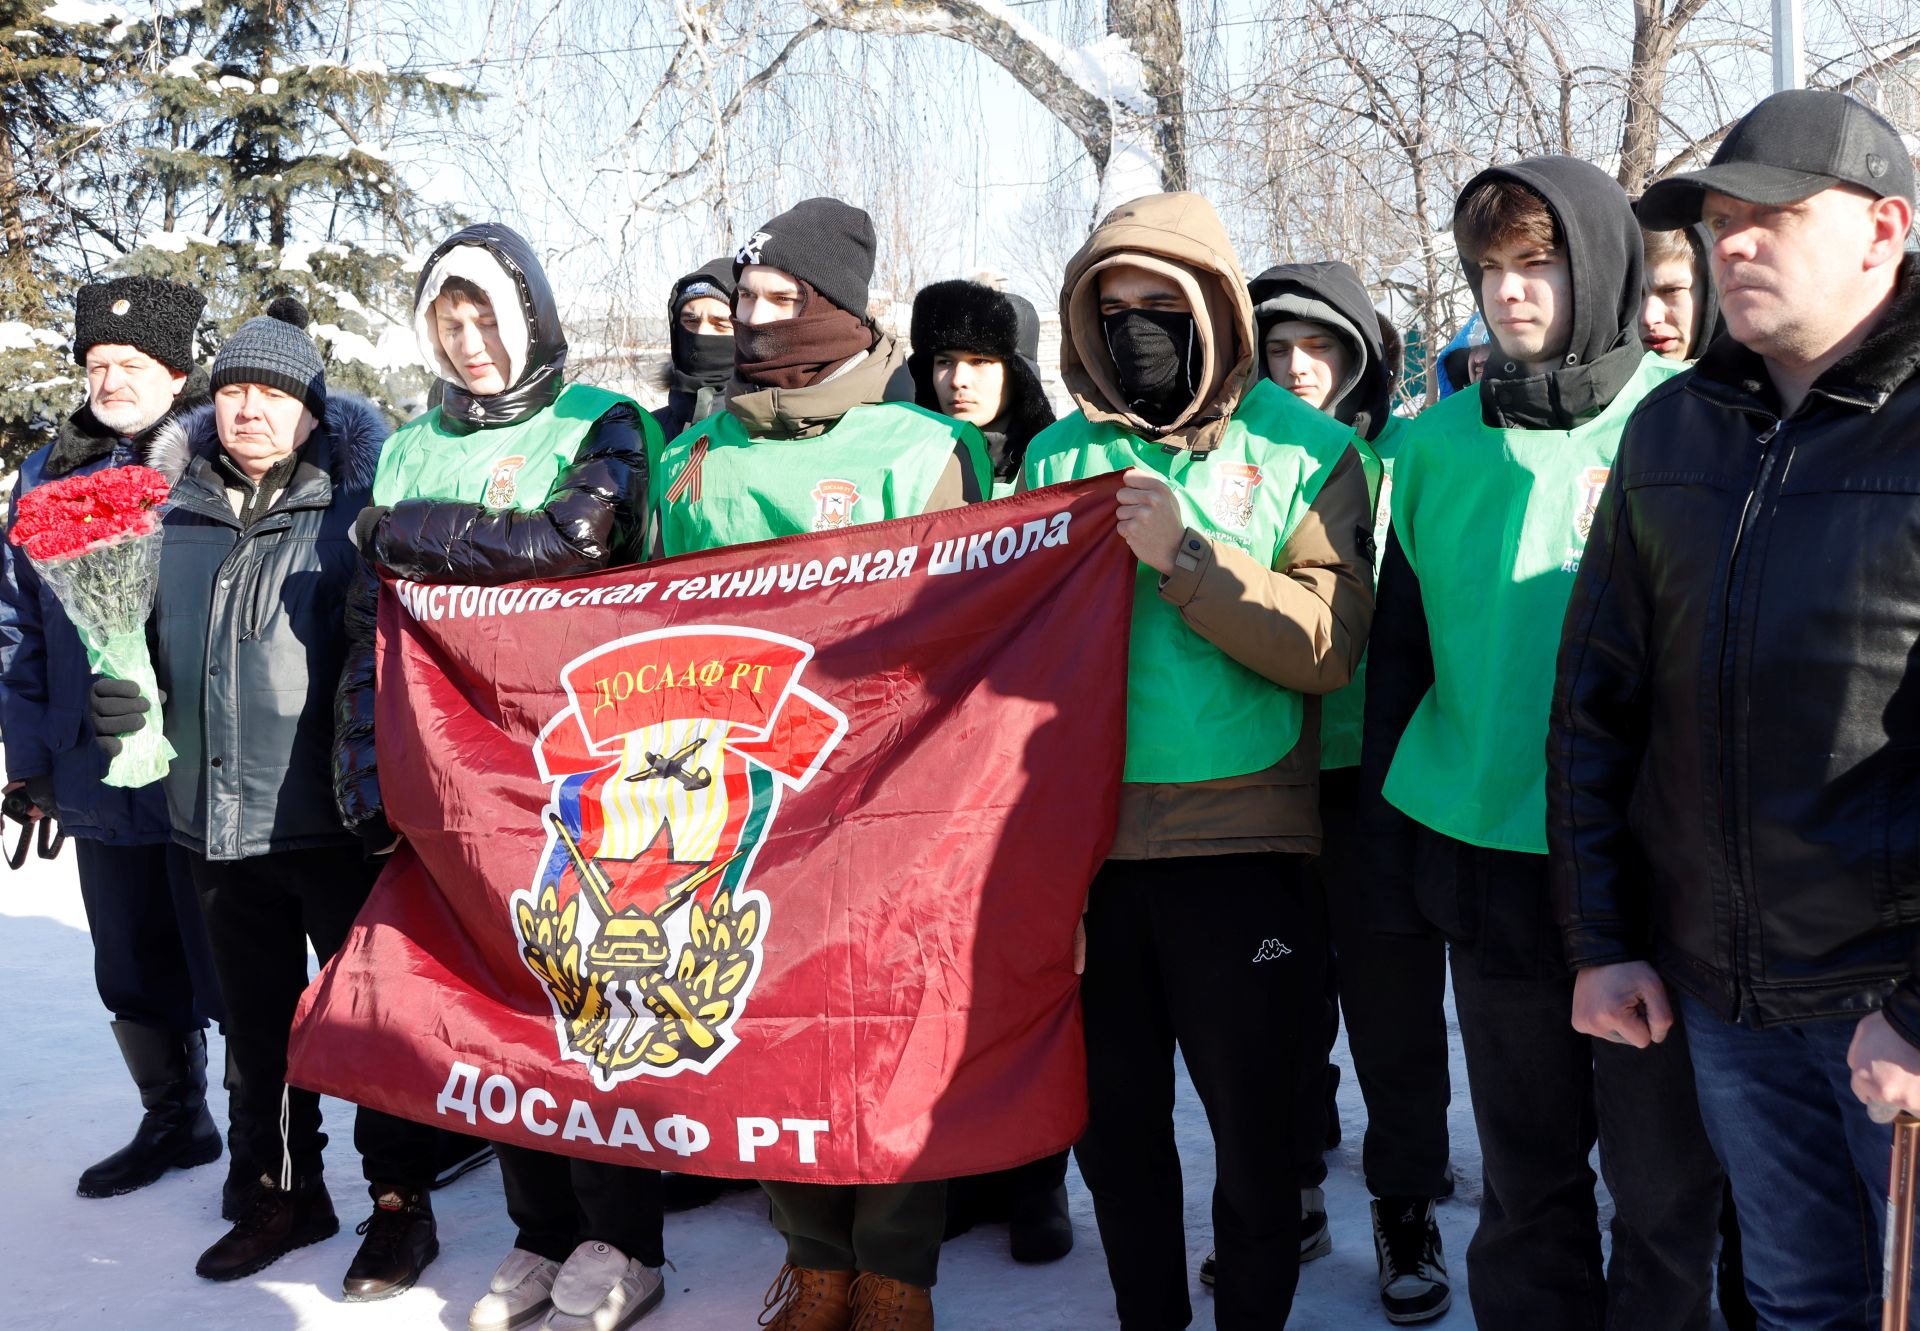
{"points": [[134, 337]]}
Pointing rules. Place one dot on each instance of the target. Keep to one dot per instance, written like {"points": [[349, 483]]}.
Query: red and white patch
{"points": [[833, 505], [1234, 484], [503, 483]]}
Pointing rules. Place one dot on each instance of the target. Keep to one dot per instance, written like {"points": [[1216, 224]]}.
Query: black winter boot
{"points": [[400, 1241], [176, 1132], [276, 1221], [1041, 1230]]}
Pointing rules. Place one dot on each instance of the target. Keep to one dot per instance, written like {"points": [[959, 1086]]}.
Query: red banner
{"points": [[763, 862]]}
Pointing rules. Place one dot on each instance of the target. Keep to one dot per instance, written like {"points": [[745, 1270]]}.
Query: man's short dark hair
{"points": [[460, 286], [1504, 214], [1668, 247]]}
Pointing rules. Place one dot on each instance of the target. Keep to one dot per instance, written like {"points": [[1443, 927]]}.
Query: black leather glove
{"points": [[115, 708], [363, 528], [40, 792]]}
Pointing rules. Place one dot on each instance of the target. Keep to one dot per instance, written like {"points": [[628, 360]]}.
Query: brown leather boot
{"points": [[802, 1299], [881, 1303]]}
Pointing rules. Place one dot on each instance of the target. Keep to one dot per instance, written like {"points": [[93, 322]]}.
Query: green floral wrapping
{"points": [[144, 754]]}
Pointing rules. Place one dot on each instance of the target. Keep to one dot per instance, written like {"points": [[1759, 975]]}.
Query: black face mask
{"points": [[700, 359], [1155, 355]]}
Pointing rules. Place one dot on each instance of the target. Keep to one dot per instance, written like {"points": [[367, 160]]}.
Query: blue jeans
{"points": [[1809, 1169]]}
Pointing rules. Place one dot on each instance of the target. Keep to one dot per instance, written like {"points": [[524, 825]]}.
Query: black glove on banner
{"points": [[1155, 355], [700, 360]]}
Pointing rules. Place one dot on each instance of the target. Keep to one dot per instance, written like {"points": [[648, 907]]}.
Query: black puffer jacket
{"points": [[593, 517], [1734, 760], [250, 637]]}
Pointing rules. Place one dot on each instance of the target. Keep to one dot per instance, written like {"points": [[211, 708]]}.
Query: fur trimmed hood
{"points": [[350, 437]]}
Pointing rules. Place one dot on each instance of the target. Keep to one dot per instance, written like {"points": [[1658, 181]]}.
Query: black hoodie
{"points": [[694, 392], [1315, 291], [1606, 254]]}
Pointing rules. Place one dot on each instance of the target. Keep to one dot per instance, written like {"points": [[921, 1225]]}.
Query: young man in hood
{"points": [[1732, 782], [975, 358], [1248, 511], [516, 474], [805, 411], [1680, 314], [1323, 340], [152, 966], [1493, 498], [700, 345]]}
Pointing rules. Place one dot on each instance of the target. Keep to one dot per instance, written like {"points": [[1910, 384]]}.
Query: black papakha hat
{"points": [[825, 243], [1790, 147], [146, 313]]}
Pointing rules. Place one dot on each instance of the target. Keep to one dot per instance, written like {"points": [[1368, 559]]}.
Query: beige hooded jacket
{"points": [[1301, 623]]}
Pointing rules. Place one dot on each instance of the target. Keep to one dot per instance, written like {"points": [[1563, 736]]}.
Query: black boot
{"points": [[400, 1241], [242, 1177], [176, 1132], [277, 1220], [1040, 1230], [455, 1155]]}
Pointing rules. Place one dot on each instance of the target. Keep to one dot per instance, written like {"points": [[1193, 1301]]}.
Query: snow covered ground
{"points": [[127, 1262]]}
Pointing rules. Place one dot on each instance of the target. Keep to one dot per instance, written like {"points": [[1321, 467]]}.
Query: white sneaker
{"points": [[601, 1289], [518, 1296]]}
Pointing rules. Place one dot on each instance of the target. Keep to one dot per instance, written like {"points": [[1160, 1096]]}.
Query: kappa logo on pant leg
{"points": [[1272, 949]]}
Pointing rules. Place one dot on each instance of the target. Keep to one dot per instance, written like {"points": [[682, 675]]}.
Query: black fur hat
{"points": [[145, 312], [966, 316]]}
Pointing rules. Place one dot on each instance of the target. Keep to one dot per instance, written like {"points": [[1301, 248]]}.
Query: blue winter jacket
{"points": [[44, 675]]}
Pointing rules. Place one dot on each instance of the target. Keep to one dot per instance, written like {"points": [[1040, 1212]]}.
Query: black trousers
{"points": [[558, 1202], [1223, 957], [1543, 1094], [1392, 991], [261, 913], [152, 963], [890, 1229]]}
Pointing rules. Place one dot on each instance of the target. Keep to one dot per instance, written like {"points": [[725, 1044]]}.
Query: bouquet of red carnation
{"points": [[96, 541]]}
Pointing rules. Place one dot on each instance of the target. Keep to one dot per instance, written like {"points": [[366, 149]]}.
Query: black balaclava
{"points": [[1156, 358], [700, 360]]}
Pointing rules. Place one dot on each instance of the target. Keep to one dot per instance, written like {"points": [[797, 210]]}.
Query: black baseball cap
{"points": [[1790, 147]]}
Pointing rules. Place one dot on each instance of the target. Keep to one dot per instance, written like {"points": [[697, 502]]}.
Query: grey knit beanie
{"points": [[275, 350]]}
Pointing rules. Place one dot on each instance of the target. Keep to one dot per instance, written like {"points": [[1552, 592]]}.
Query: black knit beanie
{"points": [[274, 350], [146, 313], [825, 243]]}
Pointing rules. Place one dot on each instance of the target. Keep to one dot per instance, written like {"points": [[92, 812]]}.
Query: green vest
{"points": [[502, 466], [1493, 523], [717, 485], [1193, 712], [1341, 712]]}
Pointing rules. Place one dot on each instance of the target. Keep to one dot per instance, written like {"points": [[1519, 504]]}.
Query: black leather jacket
{"points": [[248, 644], [1734, 759]]}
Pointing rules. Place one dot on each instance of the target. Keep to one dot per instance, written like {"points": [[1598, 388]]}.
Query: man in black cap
{"points": [[1733, 793], [134, 338]]}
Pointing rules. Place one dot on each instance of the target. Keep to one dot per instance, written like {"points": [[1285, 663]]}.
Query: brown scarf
{"points": [[801, 351]]}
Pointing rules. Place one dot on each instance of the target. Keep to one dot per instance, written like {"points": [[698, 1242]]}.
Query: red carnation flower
{"points": [[67, 517]]}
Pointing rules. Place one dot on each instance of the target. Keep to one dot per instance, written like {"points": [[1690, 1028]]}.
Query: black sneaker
{"points": [[1413, 1274], [1316, 1239], [456, 1154], [398, 1241], [276, 1221]]}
